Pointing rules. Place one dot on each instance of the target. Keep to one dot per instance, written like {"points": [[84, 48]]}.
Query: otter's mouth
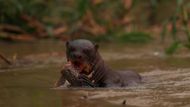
{"points": [[77, 65], [80, 66]]}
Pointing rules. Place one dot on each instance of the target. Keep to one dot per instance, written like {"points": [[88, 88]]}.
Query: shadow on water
{"points": [[166, 81]]}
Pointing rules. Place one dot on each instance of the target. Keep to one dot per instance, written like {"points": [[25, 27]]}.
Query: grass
{"points": [[125, 37], [135, 37]]}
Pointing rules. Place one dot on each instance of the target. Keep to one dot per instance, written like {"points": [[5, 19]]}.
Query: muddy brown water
{"points": [[166, 79]]}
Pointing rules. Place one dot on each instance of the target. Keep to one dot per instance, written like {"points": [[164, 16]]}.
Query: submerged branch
{"points": [[5, 59]]}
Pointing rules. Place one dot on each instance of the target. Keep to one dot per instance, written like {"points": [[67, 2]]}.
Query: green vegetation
{"points": [[12, 10], [173, 48], [180, 24], [110, 20], [135, 37], [123, 37]]}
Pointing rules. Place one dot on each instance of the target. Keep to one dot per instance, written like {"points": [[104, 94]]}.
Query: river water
{"points": [[29, 81]]}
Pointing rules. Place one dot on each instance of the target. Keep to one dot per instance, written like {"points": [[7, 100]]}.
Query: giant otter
{"points": [[86, 68]]}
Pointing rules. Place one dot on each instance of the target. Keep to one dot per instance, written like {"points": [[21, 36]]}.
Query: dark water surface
{"points": [[29, 82]]}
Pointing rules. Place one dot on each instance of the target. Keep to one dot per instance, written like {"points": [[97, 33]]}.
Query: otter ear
{"points": [[67, 44], [96, 46]]}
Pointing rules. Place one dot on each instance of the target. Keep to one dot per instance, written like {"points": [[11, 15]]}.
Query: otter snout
{"points": [[77, 56]]}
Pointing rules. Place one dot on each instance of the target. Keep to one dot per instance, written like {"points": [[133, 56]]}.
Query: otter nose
{"points": [[77, 56]]}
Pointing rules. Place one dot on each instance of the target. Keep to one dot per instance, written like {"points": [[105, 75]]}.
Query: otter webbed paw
{"points": [[85, 81], [74, 78]]}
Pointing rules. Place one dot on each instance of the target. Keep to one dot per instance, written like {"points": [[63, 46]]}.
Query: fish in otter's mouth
{"points": [[81, 67]]}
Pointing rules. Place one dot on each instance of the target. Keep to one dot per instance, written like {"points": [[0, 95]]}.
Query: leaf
{"points": [[174, 27], [164, 31], [187, 45], [173, 48], [82, 7], [135, 37]]}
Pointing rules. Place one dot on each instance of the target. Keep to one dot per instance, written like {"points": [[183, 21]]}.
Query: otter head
{"points": [[81, 53]]}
